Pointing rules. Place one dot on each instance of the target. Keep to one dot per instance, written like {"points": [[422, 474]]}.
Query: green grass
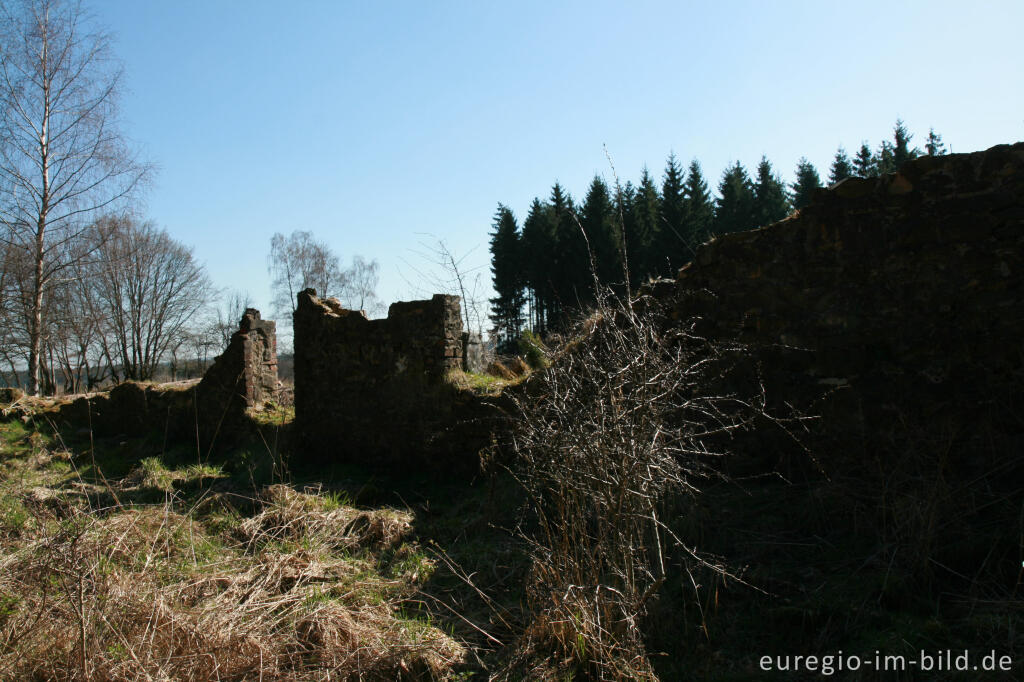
{"points": [[18, 440], [156, 474], [273, 415], [480, 383], [14, 517], [534, 351], [411, 563]]}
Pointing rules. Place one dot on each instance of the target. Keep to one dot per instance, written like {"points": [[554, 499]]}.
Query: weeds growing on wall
{"points": [[533, 350]]}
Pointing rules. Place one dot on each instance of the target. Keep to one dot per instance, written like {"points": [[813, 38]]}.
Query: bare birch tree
{"points": [[448, 273], [62, 158], [361, 281], [228, 314], [299, 262], [11, 275]]}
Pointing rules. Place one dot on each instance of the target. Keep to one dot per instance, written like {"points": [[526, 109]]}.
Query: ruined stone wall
{"points": [[242, 378], [374, 391], [893, 310], [472, 352], [905, 292], [919, 271]]}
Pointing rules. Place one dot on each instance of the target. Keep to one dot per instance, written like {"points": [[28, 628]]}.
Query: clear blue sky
{"points": [[371, 122]]}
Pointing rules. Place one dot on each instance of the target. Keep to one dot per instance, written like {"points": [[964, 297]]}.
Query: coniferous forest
{"points": [[544, 268]]}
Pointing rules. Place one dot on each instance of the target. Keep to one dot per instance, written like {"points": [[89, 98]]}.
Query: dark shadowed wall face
{"points": [[374, 391], [909, 281], [893, 308]]}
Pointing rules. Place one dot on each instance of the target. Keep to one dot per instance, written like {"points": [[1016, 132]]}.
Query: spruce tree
{"points": [[885, 160], [507, 277], [538, 262], [570, 274], [807, 181], [901, 150], [642, 249], [841, 166], [770, 201], [672, 247], [700, 209], [602, 230], [864, 163], [735, 209], [935, 145], [624, 206]]}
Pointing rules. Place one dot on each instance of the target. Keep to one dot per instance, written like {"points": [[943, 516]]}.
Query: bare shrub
{"points": [[632, 414]]}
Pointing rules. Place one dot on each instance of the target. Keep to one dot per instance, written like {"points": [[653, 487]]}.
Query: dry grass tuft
{"points": [[293, 516]]}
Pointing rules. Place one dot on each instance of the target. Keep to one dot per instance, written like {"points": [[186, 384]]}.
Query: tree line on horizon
{"points": [[547, 268]]}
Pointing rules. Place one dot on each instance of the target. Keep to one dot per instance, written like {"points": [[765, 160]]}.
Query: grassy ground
{"points": [[122, 559], [129, 558]]}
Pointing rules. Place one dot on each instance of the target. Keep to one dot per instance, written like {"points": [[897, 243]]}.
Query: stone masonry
{"points": [[893, 309], [374, 391], [242, 378], [917, 274], [259, 359], [902, 295], [472, 352], [901, 298]]}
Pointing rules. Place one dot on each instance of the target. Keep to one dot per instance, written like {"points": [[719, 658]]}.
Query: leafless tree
{"points": [[228, 313], [446, 272], [62, 159], [78, 329], [12, 273], [361, 279], [67, 346], [150, 288], [193, 351], [299, 262]]}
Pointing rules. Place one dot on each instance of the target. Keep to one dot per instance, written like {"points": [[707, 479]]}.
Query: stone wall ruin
{"points": [[900, 297], [917, 274], [375, 391], [244, 376], [904, 291], [893, 309], [214, 410]]}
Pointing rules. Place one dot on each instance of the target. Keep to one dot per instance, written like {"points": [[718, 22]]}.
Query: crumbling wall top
{"points": [[381, 382]]}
